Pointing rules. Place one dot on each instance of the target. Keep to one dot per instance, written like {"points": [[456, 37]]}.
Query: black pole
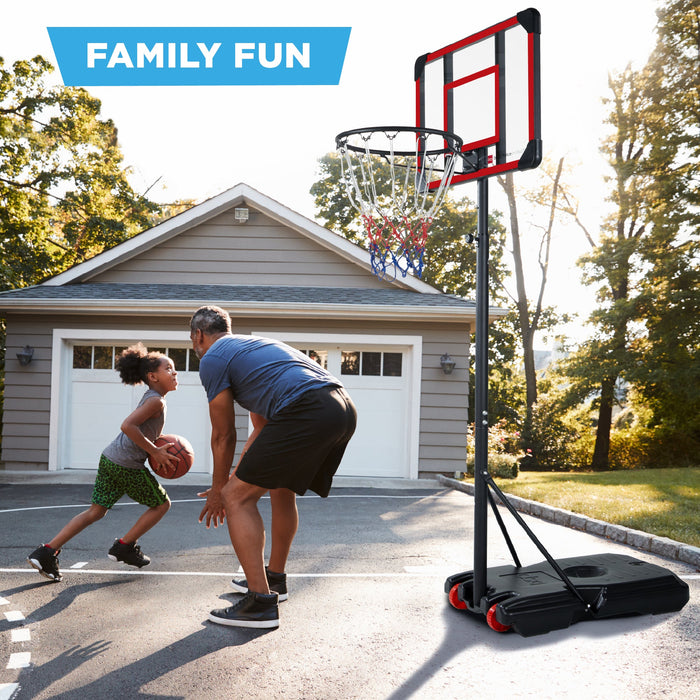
{"points": [[481, 401]]}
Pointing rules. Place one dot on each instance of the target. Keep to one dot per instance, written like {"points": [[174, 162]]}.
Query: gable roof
{"points": [[240, 194]]}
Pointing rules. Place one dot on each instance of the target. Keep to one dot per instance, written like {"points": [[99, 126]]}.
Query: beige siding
{"points": [[443, 410], [261, 251], [25, 443]]}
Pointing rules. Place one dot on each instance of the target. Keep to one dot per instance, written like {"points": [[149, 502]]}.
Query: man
{"points": [[302, 421]]}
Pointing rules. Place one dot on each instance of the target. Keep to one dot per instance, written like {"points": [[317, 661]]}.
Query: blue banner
{"points": [[89, 56]]}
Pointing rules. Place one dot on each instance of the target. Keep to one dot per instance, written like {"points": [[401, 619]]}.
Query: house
{"points": [[278, 274]]}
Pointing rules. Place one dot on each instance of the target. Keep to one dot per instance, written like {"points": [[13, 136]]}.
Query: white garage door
{"points": [[378, 377], [99, 403], [378, 380]]}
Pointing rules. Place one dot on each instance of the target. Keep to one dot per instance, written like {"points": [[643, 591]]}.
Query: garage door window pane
{"points": [[371, 363], [82, 356], [350, 363], [319, 356], [179, 358], [103, 357], [392, 364], [194, 361]]}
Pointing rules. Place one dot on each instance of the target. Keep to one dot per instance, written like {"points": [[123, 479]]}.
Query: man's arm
{"points": [[223, 447]]}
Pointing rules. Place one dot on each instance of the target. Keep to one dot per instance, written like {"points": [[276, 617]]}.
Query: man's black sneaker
{"points": [[45, 560], [258, 610], [128, 553], [276, 582]]}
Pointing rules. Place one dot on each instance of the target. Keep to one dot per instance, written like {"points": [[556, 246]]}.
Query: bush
{"points": [[503, 466], [552, 433], [503, 444]]}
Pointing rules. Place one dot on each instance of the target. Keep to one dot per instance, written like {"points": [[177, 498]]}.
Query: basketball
{"points": [[179, 448]]}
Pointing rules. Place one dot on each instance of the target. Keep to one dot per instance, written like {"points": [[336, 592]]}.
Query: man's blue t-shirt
{"points": [[265, 375]]}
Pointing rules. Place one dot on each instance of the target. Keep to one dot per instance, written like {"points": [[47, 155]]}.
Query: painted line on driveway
{"points": [[414, 572], [419, 497], [139, 572]]}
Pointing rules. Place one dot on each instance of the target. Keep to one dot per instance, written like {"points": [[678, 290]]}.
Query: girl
{"points": [[122, 467]]}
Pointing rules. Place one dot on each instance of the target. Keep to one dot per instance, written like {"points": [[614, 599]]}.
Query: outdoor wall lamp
{"points": [[241, 215], [447, 363], [25, 355]]}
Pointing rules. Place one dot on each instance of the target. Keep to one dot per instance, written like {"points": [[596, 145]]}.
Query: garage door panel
{"points": [[378, 447], [188, 415], [99, 403], [95, 415]]}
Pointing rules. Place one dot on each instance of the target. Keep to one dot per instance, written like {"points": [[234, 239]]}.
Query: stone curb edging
{"points": [[663, 546]]}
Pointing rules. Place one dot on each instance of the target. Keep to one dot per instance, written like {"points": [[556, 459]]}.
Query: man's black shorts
{"points": [[301, 447]]}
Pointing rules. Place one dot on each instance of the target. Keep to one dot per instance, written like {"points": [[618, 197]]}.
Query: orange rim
{"points": [[455, 600], [493, 623]]}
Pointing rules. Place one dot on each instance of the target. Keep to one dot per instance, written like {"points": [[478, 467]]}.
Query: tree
{"points": [[666, 371], [613, 262], [646, 260], [531, 317], [64, 194]]}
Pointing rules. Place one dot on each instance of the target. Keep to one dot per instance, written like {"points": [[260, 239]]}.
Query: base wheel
{"points": [[454, 598], [493, 623]]}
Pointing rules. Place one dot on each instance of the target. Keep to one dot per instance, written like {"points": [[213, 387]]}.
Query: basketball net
{"points": [[397, 214]]}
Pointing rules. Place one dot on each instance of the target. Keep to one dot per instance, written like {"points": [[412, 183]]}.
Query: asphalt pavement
{"points": [[366, 618]]}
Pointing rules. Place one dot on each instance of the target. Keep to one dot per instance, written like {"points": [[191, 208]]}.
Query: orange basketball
{"points": [[180, 448]]}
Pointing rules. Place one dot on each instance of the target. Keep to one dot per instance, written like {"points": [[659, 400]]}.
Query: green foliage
{"points": [[645, 262], [553, 434], [64, 196], [500, 465], [504, 455]]}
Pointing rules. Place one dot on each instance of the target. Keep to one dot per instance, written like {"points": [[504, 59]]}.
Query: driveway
{"points": [[366, 617]]}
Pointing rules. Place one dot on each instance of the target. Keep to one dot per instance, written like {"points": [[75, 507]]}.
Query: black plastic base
{"points": [[534, 600]]}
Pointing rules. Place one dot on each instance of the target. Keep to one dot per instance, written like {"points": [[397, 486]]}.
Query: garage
{"points": [[278, 274], [378, 375]]}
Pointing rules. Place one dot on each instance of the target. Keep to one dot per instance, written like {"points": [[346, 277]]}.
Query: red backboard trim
{"points": [[473, 39]]}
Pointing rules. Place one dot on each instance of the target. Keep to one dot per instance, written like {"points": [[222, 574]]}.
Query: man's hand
{"points": [[213, 512]]}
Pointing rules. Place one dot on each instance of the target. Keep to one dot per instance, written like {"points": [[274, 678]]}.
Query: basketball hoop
{"points": [[396, 205]]}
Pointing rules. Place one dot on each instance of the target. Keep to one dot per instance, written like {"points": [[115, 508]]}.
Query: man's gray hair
{"points": [[210, 320]]}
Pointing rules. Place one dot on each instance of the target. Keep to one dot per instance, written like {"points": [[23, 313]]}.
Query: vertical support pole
{"points": [[481, 401]]}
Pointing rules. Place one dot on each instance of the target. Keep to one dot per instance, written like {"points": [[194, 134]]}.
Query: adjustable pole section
{"points": [[481, 400]]}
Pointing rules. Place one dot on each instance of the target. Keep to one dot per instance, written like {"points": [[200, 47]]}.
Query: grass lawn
{"points": [[664, 502]]}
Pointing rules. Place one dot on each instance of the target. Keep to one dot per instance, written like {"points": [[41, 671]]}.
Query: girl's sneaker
{"points": [[128, 553], [45, 560]]}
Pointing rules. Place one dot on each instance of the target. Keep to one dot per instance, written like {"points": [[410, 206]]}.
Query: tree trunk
{"points": [[601, 451], [526, 328]]}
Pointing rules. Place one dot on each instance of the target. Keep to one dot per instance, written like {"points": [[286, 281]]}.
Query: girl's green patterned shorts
{"points": [[113, 481]]}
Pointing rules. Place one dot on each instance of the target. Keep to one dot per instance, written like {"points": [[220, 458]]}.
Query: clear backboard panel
{"points": [[485, 88]]}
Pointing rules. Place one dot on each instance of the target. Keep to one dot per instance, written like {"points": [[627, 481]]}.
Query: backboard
{"points": [[485, 88]]}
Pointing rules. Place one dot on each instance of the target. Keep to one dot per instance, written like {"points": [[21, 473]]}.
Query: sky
{"points": [[195, 142]]}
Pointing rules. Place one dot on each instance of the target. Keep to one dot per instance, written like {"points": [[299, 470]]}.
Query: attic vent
{"points": [[240, 214]]}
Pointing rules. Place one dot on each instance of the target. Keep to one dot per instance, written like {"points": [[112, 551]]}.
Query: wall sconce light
{"points": [[241, 215], [447, 363], [25, 355]]}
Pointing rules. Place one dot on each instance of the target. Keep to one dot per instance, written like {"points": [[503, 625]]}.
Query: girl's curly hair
{"points": [[136, 362]]}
